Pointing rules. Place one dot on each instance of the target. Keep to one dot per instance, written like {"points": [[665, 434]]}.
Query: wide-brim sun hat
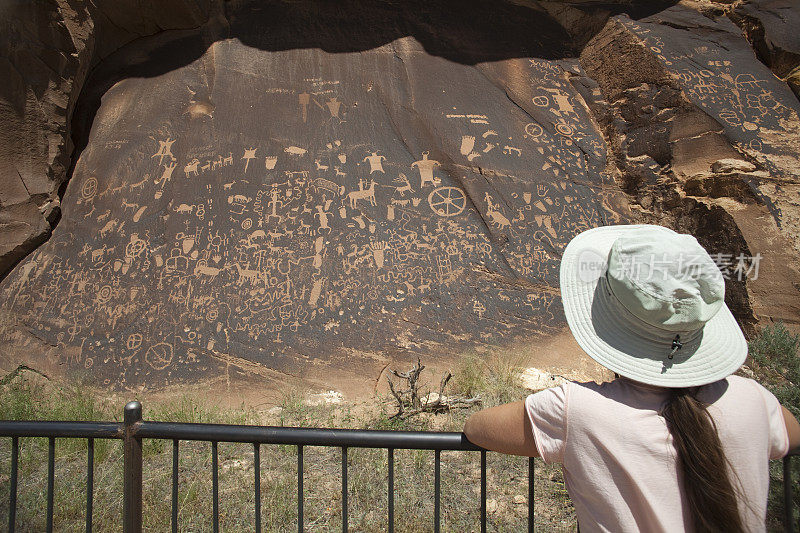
{"points": [[648, 303]]}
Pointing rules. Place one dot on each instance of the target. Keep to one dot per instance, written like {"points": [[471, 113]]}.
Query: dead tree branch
{"points": [[410, 401]]}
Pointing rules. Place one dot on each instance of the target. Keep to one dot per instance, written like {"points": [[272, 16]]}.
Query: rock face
{"points": [[281, 188]]}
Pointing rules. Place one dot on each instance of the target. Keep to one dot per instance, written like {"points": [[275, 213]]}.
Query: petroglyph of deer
{"points": [[246, 274], [404, 188], [126, 205], [191, 168]]}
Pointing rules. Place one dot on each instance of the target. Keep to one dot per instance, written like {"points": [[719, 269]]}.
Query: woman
{"points": [[676, 442]]}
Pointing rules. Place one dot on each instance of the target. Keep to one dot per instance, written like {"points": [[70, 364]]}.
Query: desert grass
{"points": [[26, 396], [775, 359]]}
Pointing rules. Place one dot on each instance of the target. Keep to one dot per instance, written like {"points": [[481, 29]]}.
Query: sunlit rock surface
{"points": [[289, 187]]}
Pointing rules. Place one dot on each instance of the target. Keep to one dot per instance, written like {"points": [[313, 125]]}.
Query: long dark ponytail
{"points": [[706, 475]]}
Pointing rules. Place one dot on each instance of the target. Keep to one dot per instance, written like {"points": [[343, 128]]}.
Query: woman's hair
{"points": [[706, 478]]}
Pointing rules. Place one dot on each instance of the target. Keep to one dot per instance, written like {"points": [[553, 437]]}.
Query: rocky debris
{"points": [[535, 379], [732, 165], [251, 183], [325, 398]]}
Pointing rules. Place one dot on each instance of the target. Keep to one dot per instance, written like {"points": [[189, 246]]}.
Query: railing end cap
{"points": [[133, 411]]}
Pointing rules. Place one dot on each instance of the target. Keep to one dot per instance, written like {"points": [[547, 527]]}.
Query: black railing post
{"points": [[132, 487], [12, 496], [788, 519]]}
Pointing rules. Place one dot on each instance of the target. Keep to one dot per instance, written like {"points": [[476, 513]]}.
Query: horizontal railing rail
{"points": [[134, 429], [350, 438]]}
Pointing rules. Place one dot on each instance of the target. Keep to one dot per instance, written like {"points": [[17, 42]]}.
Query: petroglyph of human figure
{"points": [[164, 149], [249, 153], [425, 167], [167, 174], [323, 218], [362, 194], [375, 162]]}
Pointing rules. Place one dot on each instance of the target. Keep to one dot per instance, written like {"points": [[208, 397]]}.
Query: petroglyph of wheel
{"points": [[447, 201], [159, 356]]}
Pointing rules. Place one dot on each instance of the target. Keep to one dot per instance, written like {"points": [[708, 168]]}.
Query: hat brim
{"points": [[594, 317]]}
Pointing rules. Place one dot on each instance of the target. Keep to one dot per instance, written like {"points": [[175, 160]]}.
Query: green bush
{"points": [[774, 352]]}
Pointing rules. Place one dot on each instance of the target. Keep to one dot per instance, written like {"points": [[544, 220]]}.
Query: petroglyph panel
{"points": [[263, 206]]}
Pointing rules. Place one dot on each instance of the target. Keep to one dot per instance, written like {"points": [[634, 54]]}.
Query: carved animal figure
{"points": [[362, 194], [206, 270], [127, 206], [191, 168], [205, 167], [246, 274], [405, 188], [496, 217], [184, 209], [110, 225], [98, 254], [139, 184], [228, 160]]}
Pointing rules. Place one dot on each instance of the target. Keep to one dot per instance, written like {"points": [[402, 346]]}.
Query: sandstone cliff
{"points": [[191, 189]]}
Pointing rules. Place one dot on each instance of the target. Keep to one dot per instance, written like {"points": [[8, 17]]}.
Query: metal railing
{"points": [[134, 429]]}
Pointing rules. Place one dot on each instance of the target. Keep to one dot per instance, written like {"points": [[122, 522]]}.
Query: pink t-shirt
{"points": [[619, 459]]}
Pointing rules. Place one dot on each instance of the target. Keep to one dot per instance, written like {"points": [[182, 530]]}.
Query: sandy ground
{"points": [[546, 359]]}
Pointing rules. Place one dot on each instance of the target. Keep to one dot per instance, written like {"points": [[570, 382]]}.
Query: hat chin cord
{"points": [[676, 345]]}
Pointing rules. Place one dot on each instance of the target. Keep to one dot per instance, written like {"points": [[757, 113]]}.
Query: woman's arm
{"points": [[505, 429], [792, 428]]}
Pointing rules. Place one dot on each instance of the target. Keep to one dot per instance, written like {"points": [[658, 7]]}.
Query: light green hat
{"points": [[648, 303]]}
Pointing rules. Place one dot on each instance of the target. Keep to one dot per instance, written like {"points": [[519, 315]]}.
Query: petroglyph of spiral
{"points": [[565, 129], [104, 294], [447, 201]]}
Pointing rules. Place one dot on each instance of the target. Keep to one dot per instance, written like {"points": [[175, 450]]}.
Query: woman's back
{"points": [[619, 458]]}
